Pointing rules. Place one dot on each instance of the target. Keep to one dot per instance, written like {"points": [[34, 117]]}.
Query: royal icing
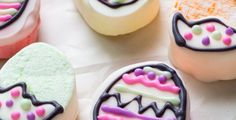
{"points": [[209, 34], [152, 92], [17, 104], [10, 10]]}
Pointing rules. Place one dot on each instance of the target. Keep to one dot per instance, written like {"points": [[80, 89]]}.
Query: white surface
{"points": [[95, 56]]}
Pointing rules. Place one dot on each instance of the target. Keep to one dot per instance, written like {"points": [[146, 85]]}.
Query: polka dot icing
{"points": [[26, 105], [227, 40], [229, 31], [15, 93], [162, 79], [188, 35], [151, 75], [9, 103], [197, 29], [40, 111], [30, 116], [138, 72], [15, 115], [206, 41], [216, 35], [210, 27]]}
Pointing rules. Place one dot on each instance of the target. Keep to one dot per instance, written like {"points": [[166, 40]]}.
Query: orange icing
{"points": [[195, 9]]}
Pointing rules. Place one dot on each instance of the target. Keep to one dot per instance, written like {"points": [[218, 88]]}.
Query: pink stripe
{"points": [[4, 18], [10, 5], [150, 83], [109, 117]]}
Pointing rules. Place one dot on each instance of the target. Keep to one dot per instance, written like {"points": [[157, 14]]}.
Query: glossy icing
{"points": [[10, 11], [131, 96], [208, 34], [17, 104]]}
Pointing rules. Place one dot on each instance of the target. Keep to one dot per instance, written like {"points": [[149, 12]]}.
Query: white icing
{"points": [[23, 26], [125, 19], [5, 112], [122, 11], [196, 41], [133, 107]]}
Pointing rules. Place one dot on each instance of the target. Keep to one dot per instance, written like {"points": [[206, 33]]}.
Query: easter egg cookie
{"points": [[117, 17], [19, 25], [38, 83], [204, 48], [144, 91]]}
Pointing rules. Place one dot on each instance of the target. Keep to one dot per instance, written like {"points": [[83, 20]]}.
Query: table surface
{"points": [[95, 56]]}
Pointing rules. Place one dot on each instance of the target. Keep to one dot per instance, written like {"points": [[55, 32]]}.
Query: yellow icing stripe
{"points": [[10, 11], [11, 1], [125, 89]]}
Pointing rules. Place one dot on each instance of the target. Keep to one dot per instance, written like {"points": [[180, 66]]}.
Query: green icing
{"points": [[44, 69], [10, 11], [25, 105], [126, 89], [158, 72]]}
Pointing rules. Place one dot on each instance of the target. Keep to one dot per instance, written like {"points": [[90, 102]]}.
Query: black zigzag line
{"points": [[158, 112], [58, 108]]}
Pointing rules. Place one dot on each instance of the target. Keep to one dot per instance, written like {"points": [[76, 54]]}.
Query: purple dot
{"points": [[9, 103], [138, 72], [229, 31], [30, 116], [151, 75], [206, 41], [162, 79]]}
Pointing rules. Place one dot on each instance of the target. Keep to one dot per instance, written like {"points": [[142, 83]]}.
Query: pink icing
{"points": [[150, 83], [10, 5], [4, 18], [109, 117]]}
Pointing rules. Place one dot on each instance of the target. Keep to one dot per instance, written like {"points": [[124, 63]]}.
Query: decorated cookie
{"points": [[19, 22], [38, 84], [117, 17], [144, 91], [204, 48]]}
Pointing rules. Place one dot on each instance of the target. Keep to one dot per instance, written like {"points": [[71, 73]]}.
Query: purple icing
{"points": [[206, 41], [138, 72], [9, 103], [162, 79], [151, 75], [30, 116], [126, 113], [229, 31]]}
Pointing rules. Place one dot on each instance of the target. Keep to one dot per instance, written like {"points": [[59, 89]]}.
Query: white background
{"points": [[95, 56]]}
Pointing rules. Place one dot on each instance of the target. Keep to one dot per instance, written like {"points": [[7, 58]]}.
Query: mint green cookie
{"points": [[46, 71]]}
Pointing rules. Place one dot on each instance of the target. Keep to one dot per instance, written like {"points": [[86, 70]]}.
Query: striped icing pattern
{"points": [[8, 8]]}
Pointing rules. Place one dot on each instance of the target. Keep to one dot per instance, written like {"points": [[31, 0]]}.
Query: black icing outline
{"points": [[118, 5], [58, 108], [16, 16], [180, 113], [180, 41]]}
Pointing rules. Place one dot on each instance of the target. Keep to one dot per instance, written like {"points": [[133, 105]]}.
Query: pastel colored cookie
{"points": [[117, 17], [19, 25], [143, 91], [38, 83], [204, 48]]}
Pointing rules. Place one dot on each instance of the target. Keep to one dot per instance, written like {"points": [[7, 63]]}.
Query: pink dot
{"points": [[227, 40], [210, 27], [15, 115], [0, 104], [188, 35], [15, 93], [40, 111]]}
